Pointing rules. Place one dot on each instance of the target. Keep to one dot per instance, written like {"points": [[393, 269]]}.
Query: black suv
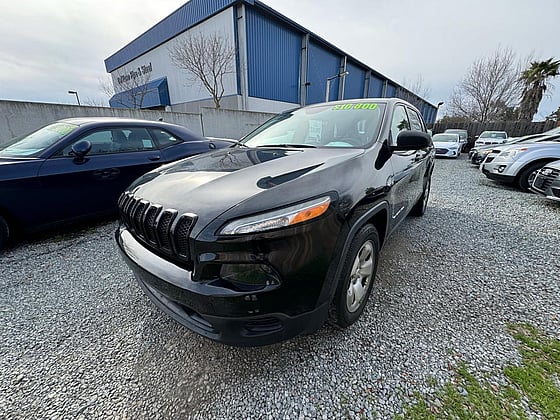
{"points": [[267, 239]]}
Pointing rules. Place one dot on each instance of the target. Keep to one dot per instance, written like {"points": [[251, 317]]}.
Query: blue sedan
{"points": [[76, 168]]}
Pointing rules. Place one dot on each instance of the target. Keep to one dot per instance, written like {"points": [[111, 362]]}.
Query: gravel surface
{"points": [[78, 339]]}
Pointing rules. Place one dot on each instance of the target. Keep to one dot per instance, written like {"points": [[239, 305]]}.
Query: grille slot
{"points": [[150, 227], [181, 234], [263, 326], [162, 229]]}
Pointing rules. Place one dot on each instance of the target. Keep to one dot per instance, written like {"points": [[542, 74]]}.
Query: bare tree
{"points": [[490, 86], [132, 85], [418, 87], [206, 58], [95, 102]]}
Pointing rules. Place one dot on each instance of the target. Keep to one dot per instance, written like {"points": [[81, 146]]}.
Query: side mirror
{"points": [[475, 137], [412, 140], [80, 150]]}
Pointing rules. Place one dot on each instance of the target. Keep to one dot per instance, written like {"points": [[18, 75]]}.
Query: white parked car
{"points": [[491, 137], [514, 164], [447, 145]]}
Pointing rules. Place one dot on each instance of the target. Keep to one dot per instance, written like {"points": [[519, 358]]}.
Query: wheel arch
{"points": [[10, 219], [362, 214], [544, 161]]}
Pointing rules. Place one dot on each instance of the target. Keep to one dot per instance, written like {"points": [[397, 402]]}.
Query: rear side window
{"points": [[163, 138]]}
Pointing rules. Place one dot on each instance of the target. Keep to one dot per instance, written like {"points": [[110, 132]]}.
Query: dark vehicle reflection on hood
{"points": [[229, 160]]}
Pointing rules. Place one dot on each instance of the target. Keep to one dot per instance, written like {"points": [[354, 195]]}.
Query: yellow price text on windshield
{"points": [[370, 106]]}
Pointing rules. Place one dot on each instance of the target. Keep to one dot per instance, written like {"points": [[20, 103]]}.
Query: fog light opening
{"points": [[247, 277]]}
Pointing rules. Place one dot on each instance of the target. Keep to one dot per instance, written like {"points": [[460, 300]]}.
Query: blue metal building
{"points": [[279, 64]]}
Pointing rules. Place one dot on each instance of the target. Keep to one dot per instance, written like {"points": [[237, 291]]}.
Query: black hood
{"points": [[211, 183], [17, 168]]}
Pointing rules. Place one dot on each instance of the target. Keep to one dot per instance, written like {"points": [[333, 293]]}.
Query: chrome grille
{"points": [[162, 229]]}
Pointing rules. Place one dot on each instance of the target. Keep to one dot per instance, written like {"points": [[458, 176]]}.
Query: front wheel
{"points": [[523, 179], [357, 276]]}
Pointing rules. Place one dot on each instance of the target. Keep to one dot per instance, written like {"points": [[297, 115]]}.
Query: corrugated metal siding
{"points": [[155, 93], [322, 63], [273, 58], [183, 18], [429, 114], [375, 87], [354, 81], [391, 91]]}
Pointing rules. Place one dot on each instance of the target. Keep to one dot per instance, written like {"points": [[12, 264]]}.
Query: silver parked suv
{"points": [[514, 164]]}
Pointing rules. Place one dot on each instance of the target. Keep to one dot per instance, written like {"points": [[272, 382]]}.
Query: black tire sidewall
{"points": [[342, 317], [523, 181]]}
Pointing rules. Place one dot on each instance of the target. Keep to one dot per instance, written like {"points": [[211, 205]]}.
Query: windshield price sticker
{"points": [[61, 128], [370, 106]]}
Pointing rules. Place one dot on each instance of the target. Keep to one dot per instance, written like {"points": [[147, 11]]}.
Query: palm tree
{"points": [[535, 82]]}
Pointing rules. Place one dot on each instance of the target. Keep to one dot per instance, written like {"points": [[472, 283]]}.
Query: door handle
{"points": [[154, 157]]}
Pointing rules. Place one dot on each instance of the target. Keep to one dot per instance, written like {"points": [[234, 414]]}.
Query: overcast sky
{"points": [[50, 47]]}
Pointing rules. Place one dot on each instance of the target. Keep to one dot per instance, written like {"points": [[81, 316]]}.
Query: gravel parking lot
{"points": [[78, 339]]}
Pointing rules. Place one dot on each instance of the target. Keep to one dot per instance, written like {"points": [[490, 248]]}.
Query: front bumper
{"points": [[216, 311], [506, 179], [547, 185], [442, 152]]}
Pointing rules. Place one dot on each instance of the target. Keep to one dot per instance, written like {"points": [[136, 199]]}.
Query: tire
{"points": [[4, 232], [356, 278], [523, 178], [422, 204]]}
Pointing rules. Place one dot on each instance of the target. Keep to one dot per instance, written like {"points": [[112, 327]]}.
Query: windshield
{"points": [[493, 135], [338, 125], [33, 144], [445, 137], [461, 133]]}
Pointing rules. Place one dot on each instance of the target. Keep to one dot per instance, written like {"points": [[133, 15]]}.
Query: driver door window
{"points": [[115, 140], [399, 123]]}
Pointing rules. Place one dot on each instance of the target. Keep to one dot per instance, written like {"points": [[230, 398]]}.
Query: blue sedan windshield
{"points": [[34, 143]]}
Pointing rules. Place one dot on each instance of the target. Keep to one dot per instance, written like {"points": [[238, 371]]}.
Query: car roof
{"points": [[109, 120]]}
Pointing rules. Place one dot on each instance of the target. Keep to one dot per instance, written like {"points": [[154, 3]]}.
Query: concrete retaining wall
{"points": [[17, 118], [218, 122]]}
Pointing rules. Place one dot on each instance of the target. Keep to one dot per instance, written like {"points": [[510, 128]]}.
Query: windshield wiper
{"points": [[292, 145]]}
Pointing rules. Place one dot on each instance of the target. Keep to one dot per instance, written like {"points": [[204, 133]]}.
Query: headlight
{"points": [[486, 152], [512, 153], [279, 218]]}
